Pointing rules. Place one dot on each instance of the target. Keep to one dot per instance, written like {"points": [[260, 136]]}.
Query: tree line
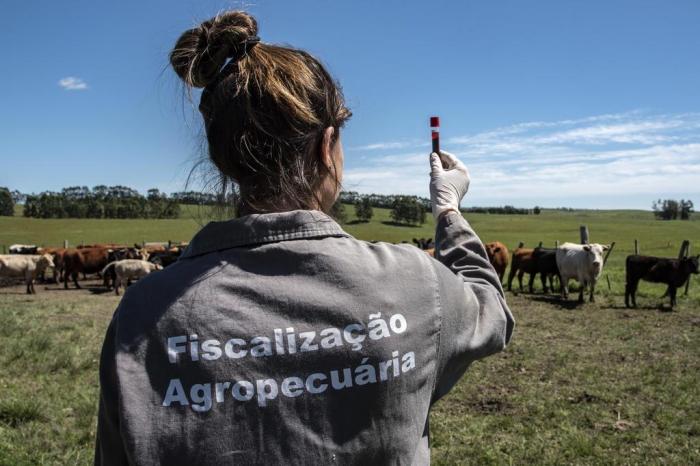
{"points": [[671, 209], [100, 202], [124, 202], [409, 210]]}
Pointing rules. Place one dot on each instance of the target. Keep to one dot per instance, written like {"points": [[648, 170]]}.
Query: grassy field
{"points": [[591, 384], [655, 237]]}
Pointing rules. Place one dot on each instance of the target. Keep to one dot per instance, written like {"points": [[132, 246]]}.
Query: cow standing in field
{"points": [[582, 262], [25, 266], [129, 269], [22, 249], [521, 264], [498, 256], [86, 260], [57, 256], [673, 272], [426, 244], [165, 258], [545, 263], [120, 254]]}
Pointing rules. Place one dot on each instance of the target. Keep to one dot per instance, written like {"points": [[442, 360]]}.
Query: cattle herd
{"points": [[118, 264], [583, 263]]}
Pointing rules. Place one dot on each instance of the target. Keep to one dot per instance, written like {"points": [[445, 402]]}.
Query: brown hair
{"points": [[265, 111]]}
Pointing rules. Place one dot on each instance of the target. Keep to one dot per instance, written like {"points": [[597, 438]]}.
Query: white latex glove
{"points": [[449, 182]]}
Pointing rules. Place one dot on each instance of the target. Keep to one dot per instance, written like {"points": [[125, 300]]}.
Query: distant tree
{"points": [[686, 209], [7, 204], [338, 212], [408, 209], [31, 206], [537, 210], [667, 209], [18, 197], [363, 209]]}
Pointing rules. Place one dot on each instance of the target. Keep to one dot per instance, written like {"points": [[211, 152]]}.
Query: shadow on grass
{"points": [[659, 307], [557, 301], [356, 222], [99, 290], [398, 224]]}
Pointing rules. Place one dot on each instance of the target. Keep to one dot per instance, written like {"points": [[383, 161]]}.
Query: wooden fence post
{"points": [[583, 230], [65, 244], [687, 283], [684, 249], [607, 254], [636, 247], [556, 244], [4, 251], [605, 260]]}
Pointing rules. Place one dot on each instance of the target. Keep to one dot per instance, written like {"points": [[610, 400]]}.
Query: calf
{"points": [[128, 269], [582, 262], [673, 272], [25, 266], [498, 256]]}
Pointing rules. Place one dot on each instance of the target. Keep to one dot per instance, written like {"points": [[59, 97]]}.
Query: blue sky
{"points": [[556, 103]]}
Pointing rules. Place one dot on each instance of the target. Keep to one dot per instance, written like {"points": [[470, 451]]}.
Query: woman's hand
{"points": [[449, 182]]}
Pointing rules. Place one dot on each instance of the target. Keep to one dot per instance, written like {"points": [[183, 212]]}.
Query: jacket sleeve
{"points": [[475, 319], [109, 447]]}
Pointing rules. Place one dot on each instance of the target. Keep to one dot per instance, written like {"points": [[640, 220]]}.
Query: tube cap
{"points": [[434, 121]]}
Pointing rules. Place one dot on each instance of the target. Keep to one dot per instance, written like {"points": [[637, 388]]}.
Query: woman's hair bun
{"points": [[200, 53]]}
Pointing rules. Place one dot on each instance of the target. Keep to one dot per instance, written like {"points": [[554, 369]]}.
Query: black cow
{"points": [[424, 243], [545, 264], [165, 259], [673, 272]]}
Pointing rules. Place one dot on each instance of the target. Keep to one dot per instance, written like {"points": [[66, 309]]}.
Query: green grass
{"points": [[49, 353], [656, 237], [591, 384], [594, 385]]}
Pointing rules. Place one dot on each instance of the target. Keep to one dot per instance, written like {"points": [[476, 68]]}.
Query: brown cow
{"points": [[498, 256], [85, 260], [57, 254], [521, 263]]}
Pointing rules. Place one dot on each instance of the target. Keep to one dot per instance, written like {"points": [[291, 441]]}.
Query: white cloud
{"points": [[616, 155], [387, 145], [72, 83]]}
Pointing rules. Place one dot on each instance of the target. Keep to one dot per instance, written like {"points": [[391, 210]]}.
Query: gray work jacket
{"points": [[281, 339]]}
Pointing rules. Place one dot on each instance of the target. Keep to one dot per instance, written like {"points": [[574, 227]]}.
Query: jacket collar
{"points": [[263, 228]]}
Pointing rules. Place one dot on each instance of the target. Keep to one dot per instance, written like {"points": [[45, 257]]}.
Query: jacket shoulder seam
{"points": [[438, 339]]}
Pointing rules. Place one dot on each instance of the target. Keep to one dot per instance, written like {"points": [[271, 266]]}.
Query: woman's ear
{"points": [[327, 147]]}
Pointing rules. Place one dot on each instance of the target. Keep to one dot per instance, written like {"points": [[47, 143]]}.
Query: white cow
{"points": [[582, 262], [127, 269], [25, 266]]}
